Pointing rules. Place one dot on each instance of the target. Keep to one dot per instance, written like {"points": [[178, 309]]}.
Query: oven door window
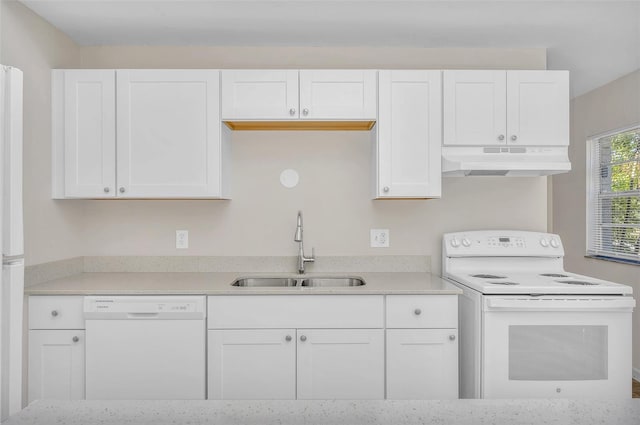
{"points": [[558, 352]]}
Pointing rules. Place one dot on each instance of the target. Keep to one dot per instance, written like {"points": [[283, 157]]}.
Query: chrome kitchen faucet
{"points": [[298, 238]]}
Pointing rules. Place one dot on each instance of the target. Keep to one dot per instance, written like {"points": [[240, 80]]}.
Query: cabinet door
{"points": [[56, 364], [475, 107], [259, 94], [422, 364], [89, 132], [341, 364], [169, 134], [252, 364], [538, 107], [409, 134], [338, 94]]}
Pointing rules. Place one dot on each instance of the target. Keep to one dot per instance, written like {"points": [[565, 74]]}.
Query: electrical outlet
{"points": [[182, 239], [379, 238]]}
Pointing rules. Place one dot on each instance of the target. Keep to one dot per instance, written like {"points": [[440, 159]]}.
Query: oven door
{"points": [[565, 347]]}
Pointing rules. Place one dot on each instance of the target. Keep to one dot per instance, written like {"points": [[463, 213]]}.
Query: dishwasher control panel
{"points": [[144, 307]]}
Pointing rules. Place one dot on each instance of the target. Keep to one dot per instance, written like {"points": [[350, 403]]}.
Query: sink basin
{"points": [[264, 282], [288, 282], [332, 282]]}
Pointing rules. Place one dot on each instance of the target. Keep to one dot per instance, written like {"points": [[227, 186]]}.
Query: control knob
{"points": [[466, 242], [455, 242], [544, 242], [554, 243]]}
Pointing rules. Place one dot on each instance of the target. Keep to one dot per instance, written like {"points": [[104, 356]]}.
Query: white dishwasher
{"points": [[145, 347]]}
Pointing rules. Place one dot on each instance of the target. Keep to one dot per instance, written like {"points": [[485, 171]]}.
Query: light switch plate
{"points": [[379, 238], [182, 239]]}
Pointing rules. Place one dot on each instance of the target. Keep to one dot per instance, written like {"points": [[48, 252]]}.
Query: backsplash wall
{"points": [[334, 195]]}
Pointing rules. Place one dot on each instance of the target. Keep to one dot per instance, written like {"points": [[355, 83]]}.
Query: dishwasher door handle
{"points": [[143, 315]]}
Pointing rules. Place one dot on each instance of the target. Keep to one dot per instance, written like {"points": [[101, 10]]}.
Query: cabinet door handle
{"points": [[305, 111], [75, 339], [292, 111], [106, 190], [417, 312], [452, 337], [303, 338], [385, 189], [122, 190], [501, 137], [54, 313], [514, 137], [287, 338]]}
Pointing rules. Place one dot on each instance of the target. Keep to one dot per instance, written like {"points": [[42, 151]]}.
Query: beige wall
{"points": [[53, 230], [615, 105], [334, 190]]}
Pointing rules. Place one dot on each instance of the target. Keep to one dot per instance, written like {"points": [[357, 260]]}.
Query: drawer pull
{"points": [[287, 338], [75, 339], [417, 312], [54, 313], [303, 338], [452, 337]]}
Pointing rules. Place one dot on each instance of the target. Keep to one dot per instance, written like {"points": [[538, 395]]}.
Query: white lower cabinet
{"points": [[340, 364], [422, 364], [295, 347], [256, 364], [56, 364], [56, 348], [285, 364], [422, 347]]}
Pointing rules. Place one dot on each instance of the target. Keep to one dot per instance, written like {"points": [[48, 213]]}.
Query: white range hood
{"points": [[520, 161]]}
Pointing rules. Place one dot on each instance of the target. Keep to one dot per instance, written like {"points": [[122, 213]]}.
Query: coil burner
{"points": [[488, 276], [577, 282]]}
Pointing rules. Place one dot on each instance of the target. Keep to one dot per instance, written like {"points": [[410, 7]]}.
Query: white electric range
{"points": [[528, 328]]}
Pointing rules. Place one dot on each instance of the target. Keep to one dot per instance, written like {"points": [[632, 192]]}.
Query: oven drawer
{"points": [[422, 311]]}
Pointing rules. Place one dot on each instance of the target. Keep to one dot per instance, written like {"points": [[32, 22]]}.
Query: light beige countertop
{"points": [[332, 412], [190, 283]]}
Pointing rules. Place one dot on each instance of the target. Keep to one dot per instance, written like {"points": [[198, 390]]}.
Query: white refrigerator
{"points": [[11, 241]]}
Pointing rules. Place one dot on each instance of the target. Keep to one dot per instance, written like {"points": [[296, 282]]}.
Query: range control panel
{"points": [[509, 243]]}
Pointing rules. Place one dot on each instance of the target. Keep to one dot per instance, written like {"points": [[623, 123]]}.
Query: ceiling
{"points": [[598, 41]]}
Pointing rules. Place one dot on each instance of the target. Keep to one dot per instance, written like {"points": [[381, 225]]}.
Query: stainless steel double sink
{"points": [[288, 282]]}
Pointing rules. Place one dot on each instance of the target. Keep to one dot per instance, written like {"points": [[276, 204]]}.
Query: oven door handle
{"points": [[557, 304]]}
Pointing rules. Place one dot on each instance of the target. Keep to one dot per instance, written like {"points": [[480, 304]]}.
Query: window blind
{"points": [[613, 198]]}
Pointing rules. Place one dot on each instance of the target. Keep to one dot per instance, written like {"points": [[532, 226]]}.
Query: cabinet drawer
{"points": [[422, 311], [295, 311], [56, 312]]}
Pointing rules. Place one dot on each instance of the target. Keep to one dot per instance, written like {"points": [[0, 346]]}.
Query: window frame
{"points": [[593, 194]]}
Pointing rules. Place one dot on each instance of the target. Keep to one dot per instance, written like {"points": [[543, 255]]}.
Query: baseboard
{"points": [[636, 374]]}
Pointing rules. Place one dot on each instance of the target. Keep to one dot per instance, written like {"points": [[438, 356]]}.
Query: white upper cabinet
{"points": [[409, 135], [259, 94], [314, 95], [85, 125], [168, 133], [138, 134], [506, 108], [338, 94], [538, 107], [474, 107]]}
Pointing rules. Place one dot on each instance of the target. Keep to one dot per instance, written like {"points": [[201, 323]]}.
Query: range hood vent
{"points": [[520, 161]]}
